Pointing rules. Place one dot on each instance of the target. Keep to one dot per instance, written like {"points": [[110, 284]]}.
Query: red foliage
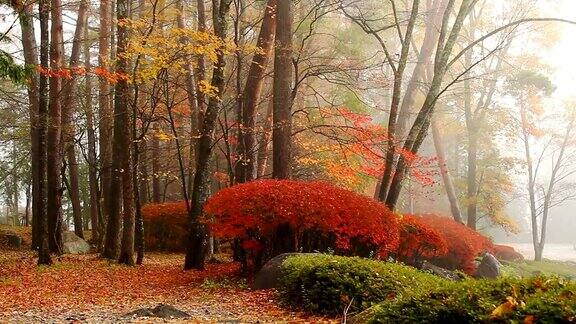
{"points": [[464, 244], [309, 211], [419, 241], [165, 226], [507, 253]]}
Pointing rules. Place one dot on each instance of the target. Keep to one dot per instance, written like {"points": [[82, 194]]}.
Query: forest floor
{"points": [[86, 288]]}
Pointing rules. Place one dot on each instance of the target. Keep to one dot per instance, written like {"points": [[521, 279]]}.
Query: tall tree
{"points": [[54, 160], [69, 106], [41, 216], [247, 169], [122, 142], [282, 88], [30, 51], [198, 237], [105, 111]]}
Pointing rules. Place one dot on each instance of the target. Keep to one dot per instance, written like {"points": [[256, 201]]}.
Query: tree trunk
{"points": [[92, 159], [106, 116], [156, 191], [282, 112], [264, 145], [247, 170], [54, 160], [447, 180], [40, 214], [198, 236], [31, 58]]}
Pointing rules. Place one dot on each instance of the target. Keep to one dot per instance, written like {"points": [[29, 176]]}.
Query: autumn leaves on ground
{"points": [[86, 287]]}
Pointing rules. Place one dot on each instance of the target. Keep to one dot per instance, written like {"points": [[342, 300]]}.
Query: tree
{"points": [[41, 215], [545, 191], [105, 112], [247, 169], [53, 138], [282, 109], [198, 237]]}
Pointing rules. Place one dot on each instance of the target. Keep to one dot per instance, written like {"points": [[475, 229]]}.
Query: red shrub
{"points": [[315, 215], [165, 226], [507, 253], [419, 241], [464, 244]]}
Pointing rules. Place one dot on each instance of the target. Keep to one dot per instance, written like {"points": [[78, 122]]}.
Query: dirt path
{"points": [[89, 289]]}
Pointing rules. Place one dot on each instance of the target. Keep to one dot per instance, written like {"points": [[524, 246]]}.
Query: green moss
{"points": [[328, 284], [546, 299]]}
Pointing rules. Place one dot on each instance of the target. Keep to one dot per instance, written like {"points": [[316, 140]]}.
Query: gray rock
{"points": [[73, 244], [489, 267], [270, 274], [440, 272], [160, 311], [13, 240]]}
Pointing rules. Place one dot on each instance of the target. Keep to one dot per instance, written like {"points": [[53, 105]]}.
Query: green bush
{"points": [[506, 300], [328, 284]]}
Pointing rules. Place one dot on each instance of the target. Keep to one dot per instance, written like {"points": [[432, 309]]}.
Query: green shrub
{"points": [[328, 284], [507, 300]]}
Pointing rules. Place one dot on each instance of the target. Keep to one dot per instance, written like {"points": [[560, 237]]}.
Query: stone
{"points": [[269, 276], [489, 267], [73, 244], [440, 272], [160, 311], [11, 239]]}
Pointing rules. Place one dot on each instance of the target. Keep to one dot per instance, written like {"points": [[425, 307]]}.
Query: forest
{"points": [[363, 161]]}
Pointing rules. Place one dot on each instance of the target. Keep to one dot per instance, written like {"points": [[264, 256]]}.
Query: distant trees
{"points": [[545, 143]]}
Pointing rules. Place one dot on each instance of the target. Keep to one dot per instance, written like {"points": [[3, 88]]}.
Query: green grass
{"points": [[531, 268]]}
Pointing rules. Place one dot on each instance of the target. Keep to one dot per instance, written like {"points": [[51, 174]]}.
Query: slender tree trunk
{"points": [[198, 237], [40, 214], [446, 178], [264, 145], [69, 105], [282, 114], [156, 191], [31, 58], [92, 160], [54, 161], [106, 116], [247, 170]]}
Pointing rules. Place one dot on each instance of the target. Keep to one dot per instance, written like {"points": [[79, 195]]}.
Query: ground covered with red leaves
{"points": [[89, 289]]}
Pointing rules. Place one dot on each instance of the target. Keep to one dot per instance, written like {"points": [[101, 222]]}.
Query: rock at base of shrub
{"points": [[73, 244], [441, 272], [489, 267], [160, 311], [270, 275]]}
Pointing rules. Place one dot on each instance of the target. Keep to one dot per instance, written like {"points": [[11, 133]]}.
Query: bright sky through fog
{"points": [[562, 57]]}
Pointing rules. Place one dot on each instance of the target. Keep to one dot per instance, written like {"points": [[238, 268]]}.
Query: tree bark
{"points": [[54, 156], [247, 169], [41, 215], [264, 145], [69, 105], [282, 111], [105, 111], [30, 52], [92, 159], [446, 179], [198, 237], [156, 191]]}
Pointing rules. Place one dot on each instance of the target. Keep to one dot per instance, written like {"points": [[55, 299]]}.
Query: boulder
{"points": [[160, 311], [73, 244], [440, 272], [11, 239], [489, 267], [270, 274]]}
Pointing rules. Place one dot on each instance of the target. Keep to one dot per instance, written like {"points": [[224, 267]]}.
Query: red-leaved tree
{"points": [[419, 241]]}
